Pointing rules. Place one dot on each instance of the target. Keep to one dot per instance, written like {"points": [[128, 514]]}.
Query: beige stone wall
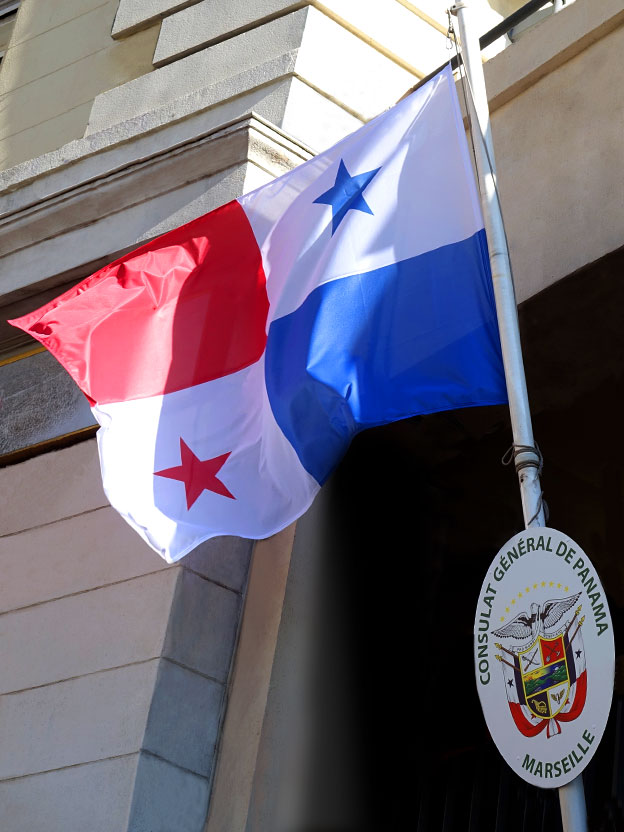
{"points": [[63, 57], [557, 122], [60, 57], [94, 640], [114, 663]]}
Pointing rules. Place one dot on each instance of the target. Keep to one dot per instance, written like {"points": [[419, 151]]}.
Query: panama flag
{"points": [[230, 361]]}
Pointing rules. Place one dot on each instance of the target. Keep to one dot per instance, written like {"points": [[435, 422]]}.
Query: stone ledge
{"points": [[169, 90], [180, 171], [133, 15], [352, 73], [547, 46], [387, 26], [114, 148]]}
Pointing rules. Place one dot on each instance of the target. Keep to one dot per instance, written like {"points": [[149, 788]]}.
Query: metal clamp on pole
{"points": [[524, 451]]}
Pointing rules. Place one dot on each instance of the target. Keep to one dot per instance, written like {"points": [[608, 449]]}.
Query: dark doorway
{"points": [[414, 514]]}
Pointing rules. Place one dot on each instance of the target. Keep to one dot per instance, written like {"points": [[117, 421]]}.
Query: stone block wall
{"points": [[218, 51], [59, 58], [115, 664]]}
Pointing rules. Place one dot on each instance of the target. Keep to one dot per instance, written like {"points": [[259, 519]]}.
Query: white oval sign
{"points": [[544, 656]]}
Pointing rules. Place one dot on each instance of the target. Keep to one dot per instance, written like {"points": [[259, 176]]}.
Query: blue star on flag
{"points": [[346, 194]]}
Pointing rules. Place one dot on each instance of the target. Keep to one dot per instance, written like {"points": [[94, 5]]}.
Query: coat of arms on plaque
{"points": [[543, 663]]}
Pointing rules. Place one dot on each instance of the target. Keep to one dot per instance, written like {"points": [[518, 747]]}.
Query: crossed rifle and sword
{"points": [[531, 659]]}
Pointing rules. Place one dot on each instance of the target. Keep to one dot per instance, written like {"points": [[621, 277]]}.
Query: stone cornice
{"points": [[100, 202]]}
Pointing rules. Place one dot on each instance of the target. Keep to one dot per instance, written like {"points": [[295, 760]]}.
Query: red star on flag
{"points": [[197, 474]]}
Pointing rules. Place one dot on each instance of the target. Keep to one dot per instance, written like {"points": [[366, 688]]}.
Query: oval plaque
{"points": [[544, 656]]}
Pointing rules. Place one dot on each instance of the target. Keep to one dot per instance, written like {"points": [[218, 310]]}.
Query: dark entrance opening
{"points": [[414, 515]]}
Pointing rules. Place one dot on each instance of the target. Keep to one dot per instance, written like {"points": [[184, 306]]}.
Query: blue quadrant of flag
{"points": [[414, 337]]}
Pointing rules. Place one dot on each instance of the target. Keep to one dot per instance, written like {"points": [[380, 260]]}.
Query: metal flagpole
{"points": [[526, 455]]}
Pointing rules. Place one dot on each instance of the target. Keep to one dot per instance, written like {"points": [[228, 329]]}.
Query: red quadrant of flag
{"points": [[187, 308]]}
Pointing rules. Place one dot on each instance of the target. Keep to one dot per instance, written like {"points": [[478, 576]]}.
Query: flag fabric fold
{"points": [[231, 361]]}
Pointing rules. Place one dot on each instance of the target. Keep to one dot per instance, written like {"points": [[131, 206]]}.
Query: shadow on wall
{"points": [[390, 733]]}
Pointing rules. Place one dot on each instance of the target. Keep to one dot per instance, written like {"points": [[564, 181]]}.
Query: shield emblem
{"points": [[545, 676]]}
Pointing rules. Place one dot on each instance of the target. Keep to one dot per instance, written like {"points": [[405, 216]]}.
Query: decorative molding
{"points": [[111, 189]]}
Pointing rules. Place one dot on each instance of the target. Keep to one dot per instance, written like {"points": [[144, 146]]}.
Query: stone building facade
{"points": [[261, 688]]}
